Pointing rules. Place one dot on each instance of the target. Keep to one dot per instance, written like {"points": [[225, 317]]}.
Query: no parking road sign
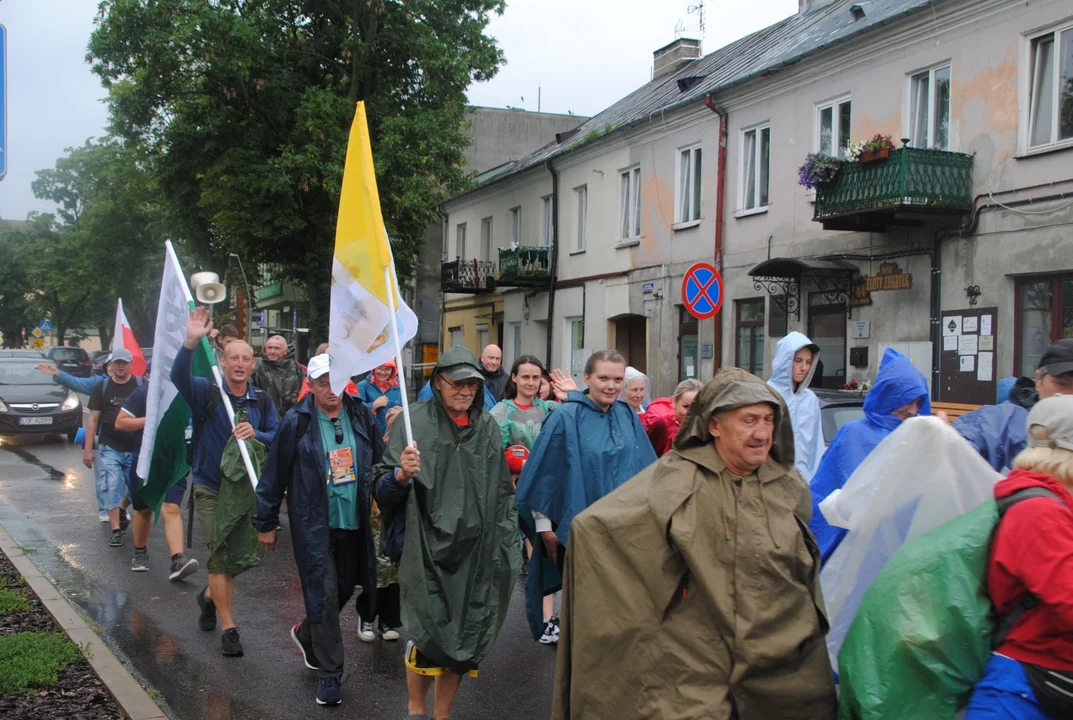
{"points": [[702, 291]]}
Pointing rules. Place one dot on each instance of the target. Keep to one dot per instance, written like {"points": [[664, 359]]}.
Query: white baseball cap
{"points": [[1055, 415], [318, 365]]}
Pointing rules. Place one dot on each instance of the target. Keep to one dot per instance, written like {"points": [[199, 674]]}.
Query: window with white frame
{"points": [[515, 227], [929, 108], [516, 342], [486, 232], [574, 328], [833, 122], [460, 240], [546, 232], [687, 189], [486, 245], [1050, 118], [630, 204], [756, 159], [581, 195]]}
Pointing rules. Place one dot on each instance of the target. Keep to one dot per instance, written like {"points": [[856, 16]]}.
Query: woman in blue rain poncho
{"points": [[589, 446], [900, 392], [791, 372]]}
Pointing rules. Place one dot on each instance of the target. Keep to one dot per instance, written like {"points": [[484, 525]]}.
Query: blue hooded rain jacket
{"points": [[897, 384], [803, 404]]}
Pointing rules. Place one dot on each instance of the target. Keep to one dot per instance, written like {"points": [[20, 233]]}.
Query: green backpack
{"points": [[926, 627]]}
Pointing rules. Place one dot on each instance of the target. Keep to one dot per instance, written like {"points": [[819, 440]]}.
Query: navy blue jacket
{"points": [[216, 432], [298, 467]]}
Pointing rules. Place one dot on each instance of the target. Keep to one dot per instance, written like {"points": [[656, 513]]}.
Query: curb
{"points": [[131, 697]]}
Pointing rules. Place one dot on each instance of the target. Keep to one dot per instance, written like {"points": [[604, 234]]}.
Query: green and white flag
{"points": [[162, 462]]}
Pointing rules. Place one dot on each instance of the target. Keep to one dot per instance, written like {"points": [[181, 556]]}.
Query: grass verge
{"points": [[29, 659]]}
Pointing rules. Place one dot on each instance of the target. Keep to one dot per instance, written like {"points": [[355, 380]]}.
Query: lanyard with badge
{"points": [[340, 460]]}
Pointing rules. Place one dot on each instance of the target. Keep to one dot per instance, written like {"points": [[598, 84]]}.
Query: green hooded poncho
{"points": [[234, 539], [461, 552]]}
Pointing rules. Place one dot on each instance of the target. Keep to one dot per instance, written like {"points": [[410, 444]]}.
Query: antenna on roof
{"points": [[696, 7]]}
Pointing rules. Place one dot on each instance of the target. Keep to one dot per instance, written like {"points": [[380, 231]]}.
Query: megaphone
{"points": [[207, 288]]}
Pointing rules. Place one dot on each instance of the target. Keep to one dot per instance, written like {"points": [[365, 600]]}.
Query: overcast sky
{"points": [[584, 54]]}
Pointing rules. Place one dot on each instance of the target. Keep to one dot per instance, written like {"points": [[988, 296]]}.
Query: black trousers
{"points": [[388, 606], [345, 550]]}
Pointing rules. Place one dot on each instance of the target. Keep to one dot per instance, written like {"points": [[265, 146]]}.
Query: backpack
{"points": [[926, 627], [104, 385]]}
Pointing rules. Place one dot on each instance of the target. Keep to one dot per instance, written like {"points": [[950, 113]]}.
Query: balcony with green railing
{"points": [[911, 187], [525, 266]]}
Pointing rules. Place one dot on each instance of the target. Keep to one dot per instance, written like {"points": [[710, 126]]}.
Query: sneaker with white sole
{"points": [[308, 657], [116, 539], [366, 631], [387, 632], [182, 567], [551, 632], [102, 516], [140, 563], [329, 691]]}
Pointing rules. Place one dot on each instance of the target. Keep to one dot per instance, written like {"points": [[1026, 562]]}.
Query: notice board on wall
{"points": [[967, 366]]}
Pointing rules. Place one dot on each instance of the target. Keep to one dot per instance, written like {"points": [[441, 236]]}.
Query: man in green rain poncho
{"points": [[451, 524]]}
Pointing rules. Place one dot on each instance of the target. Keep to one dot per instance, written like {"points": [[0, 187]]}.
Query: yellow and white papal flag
{"points": [[360, 320]]}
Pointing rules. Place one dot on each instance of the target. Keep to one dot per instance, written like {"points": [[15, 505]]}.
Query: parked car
{"points": [[31, 354], [838, 407], [71, 359], [32, 404], [97, 361]]}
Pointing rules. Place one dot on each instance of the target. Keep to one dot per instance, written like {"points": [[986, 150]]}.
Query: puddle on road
{"points": [[30, 459]]}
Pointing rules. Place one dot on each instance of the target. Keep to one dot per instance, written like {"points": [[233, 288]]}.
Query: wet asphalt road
{"points": [[47, 503]]}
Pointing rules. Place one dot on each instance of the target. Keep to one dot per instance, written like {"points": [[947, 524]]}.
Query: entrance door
{"points": [[827, 328], [630, 340]]}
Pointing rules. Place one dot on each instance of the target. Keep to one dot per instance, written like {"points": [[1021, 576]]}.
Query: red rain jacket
{"points": [[660, 424], [1033, 552]]}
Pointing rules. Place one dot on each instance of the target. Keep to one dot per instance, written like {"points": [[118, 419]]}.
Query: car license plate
{"points": [[35, 421]]}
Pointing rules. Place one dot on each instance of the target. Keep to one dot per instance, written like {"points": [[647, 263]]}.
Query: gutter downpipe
{"points": [[554, 262], [446, 230], [720, 199]]}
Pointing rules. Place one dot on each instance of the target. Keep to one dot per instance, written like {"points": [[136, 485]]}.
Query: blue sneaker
{"points": [[329, 692]]}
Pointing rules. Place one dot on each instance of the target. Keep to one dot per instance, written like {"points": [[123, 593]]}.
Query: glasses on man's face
{"points": [[338, 430], [467, 384]]}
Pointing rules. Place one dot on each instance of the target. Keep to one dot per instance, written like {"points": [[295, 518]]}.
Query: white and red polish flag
{"points": [[124, 338]]}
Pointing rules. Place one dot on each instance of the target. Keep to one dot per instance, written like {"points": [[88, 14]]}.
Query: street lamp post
{"points": [[249, 298]]}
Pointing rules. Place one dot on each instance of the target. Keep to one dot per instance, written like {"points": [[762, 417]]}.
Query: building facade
{"points": [[954, 246]]}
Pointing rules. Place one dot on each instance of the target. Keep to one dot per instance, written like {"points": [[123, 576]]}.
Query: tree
{"points": [[103, 243], [245, 108], [15, 310]]}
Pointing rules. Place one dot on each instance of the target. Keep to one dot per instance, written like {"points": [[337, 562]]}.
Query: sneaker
{"points": [[366, 632], [207, 621], [307, 652], [231, 645], [140, 563], [329, 692], [551, 632], [102, 516], [124, 521], [182, 567], [117, 538], [387, 632]]}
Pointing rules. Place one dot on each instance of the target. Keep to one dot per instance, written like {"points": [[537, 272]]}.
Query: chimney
{"points": [[673, 57]]}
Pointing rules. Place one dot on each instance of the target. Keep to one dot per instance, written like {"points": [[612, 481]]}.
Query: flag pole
{"points": [[392, 284], [204, 345]]}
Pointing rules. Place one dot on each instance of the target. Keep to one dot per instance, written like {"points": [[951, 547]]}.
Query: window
{"points": [[482, 336], [929, 109], [582, 196], [546, 237], [515, 342], [460, 241], [688, 345], [687, 191], [576, 356], [755, 161], [458, 336], [516, 227], [1050, 119], [1044, 313], [630, 202], [749, 349], [832, 127], [486, 234]]}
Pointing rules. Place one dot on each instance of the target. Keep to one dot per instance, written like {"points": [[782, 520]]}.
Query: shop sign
{"points": [[889, 277]]}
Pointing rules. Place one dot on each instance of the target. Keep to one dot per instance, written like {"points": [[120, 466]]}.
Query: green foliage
{"points": [[32, 659], [244, 108], [15, 311], [12, 601]]}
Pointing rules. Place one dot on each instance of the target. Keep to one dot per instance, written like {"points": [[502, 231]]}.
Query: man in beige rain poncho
{"points": [[692, 591]]}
